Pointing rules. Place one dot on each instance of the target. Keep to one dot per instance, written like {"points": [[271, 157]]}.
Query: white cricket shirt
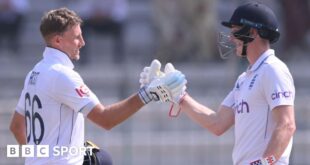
{"points": [[267, 84], [55, 101]]}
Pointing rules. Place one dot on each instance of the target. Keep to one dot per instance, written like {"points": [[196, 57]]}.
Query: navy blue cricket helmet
{"points": [[256, 15]]}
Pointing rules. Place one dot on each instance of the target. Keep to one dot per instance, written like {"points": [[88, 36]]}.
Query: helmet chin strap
{"points": [[244, 49], [244, 35]]}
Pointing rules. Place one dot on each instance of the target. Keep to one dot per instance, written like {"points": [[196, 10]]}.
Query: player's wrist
{"points": [[182, 97], [175, 108], [179, 98], [270, 160], [144, 95]]}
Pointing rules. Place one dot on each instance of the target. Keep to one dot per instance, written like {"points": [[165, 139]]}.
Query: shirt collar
{"points": [[57, 56], [259, 62]]}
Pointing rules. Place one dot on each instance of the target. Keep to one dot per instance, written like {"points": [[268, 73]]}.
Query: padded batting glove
{"points": [[179, 93], [149, 73], [166, 88]]}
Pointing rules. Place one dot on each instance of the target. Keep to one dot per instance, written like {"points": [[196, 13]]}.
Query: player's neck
{"points": [[255, 52]]}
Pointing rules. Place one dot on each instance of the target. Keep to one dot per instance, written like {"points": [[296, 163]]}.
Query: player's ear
{"points": [[253, 32], [57, 39]]}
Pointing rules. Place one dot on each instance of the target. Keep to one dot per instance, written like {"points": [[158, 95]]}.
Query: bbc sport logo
{"points": [[14, 151]]}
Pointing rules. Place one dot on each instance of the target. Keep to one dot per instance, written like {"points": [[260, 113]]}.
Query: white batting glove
{"points": [[179, 93], [150, 73], [165, 88], [180, 90]]}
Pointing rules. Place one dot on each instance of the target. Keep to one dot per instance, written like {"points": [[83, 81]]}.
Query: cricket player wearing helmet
{"points": [[261, 104]]}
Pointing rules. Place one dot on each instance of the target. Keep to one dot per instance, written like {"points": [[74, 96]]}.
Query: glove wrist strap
{"points": [[175, 108], [144, 95]]}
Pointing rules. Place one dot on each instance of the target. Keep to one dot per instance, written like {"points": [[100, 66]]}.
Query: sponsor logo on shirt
{"points": [[82, 91], [242, 107], [33, 78], [281, 94]]}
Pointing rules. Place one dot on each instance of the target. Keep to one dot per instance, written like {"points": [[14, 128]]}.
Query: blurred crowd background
{"points": [[122, 36]]}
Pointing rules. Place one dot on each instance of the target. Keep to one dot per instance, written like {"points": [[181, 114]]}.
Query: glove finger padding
{"points": [[150, 73], [174, 79], [169, 68], [146, 69], [144, 79], [154, 70], [144, 74]]}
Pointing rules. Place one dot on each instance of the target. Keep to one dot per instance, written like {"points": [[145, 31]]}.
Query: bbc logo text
{"points": [[45, 151]]}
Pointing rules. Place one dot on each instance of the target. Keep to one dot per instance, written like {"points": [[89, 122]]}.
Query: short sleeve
{"points": [[229, 100], [70, 90], [278, 86], [21, 104], [20, 108]]}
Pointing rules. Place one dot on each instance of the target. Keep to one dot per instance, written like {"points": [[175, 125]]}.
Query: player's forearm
{"points": [[280, 140], [112, 115], [20, 138], [19, 133], [18, 128], [202, 115], [122, 110]]}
